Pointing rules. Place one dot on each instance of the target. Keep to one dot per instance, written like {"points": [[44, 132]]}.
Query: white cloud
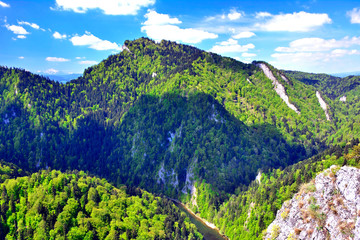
{"points": [[21, 57], [21, 36], [94, 42], [263, 15], [57, 35], [354, 15], [109, 7], [17, 29], [318, 44], [154, 18], [234, 15], [231, 46], [244, 35], [160, 26], [78, 58], [245, 54], [319, 55], [51, 71], [2, 4], [313, 58], [295, 22], [33, 25], [56, 59], [344, 52], [88, 62]]}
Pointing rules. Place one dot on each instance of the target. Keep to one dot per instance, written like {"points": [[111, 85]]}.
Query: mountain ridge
{"points": [[188, 118]]}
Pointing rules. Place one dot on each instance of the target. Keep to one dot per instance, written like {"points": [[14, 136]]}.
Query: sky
{"points": [[67, 36]]}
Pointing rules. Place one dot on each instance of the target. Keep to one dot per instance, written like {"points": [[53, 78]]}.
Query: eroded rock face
{"points": [[278, 87], [327, 208], [323, 105]]}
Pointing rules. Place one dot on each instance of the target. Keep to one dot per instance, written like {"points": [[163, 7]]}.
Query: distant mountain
{"points": [[176, 120], [63, 78], [346, 74]]}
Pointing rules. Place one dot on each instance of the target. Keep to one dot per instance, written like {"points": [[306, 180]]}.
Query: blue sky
{"points": [[67, 36]]}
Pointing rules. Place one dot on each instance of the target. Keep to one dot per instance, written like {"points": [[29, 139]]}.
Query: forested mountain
{"points": [[176, 120]]}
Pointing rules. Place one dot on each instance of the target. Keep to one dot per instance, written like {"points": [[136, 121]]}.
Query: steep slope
{"points": [[193, 121], [343, 99], [92, 123], [326, 208], [248, 213], [54, 205]]}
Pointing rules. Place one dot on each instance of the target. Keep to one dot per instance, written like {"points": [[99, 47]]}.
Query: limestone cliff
{"points": [[326, 208]]}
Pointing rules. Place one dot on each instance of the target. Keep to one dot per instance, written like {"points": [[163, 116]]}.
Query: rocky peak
{"points": [[326, 208]]}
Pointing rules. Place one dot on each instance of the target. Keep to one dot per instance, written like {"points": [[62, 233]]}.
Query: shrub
{"points": [[275, 231]]}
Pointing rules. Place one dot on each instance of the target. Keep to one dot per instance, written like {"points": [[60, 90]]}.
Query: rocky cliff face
{"points": [[326, 208]]}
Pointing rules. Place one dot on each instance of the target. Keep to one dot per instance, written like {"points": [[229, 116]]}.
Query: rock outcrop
{"points": [[278, 87], [326, 208], [323, 105]]}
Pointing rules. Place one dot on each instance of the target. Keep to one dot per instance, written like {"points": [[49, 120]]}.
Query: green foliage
{"points": [[173, 111], [245, 215], [54, 205]]}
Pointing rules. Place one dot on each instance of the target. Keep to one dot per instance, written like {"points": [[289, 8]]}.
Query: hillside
{"points": [[176, 120], [54, 205]]}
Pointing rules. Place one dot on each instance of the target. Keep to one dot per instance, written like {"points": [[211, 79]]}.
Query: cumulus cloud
{"points": [[161, 26], [94, 42], [51, 71], [33, 25], [312, 58], [21, 57], [154, 18], [318, 53], [109, 7], [234, 15], [231, 46], [262, 15], [57, 35], [244, 35], [318, 44], [2, 4], [88, 62], [354, 15], [18, 30], [21, 36], [56, 59], [295, 22]]}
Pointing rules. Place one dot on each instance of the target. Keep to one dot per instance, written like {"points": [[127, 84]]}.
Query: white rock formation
{"points": [[258, 177], [343, 99], [153, 74], [327, 208], [278, 87], [167, 177], [284, 78], [125, 48], [323, 105]]}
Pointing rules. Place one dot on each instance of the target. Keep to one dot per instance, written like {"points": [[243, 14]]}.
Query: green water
{"points": [[206, 231]]}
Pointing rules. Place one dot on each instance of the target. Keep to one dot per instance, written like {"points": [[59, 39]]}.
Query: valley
{"points": [[166, 120]]}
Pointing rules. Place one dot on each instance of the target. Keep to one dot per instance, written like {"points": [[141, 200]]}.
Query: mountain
{"points": [[346, 74], [63, 78], [179, 121]]}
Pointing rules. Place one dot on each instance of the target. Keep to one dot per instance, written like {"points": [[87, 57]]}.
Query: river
{"points": [[208, 232]]}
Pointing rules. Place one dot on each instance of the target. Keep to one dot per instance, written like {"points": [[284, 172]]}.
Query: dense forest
{"points": [[170, 118], [54, 205]]}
